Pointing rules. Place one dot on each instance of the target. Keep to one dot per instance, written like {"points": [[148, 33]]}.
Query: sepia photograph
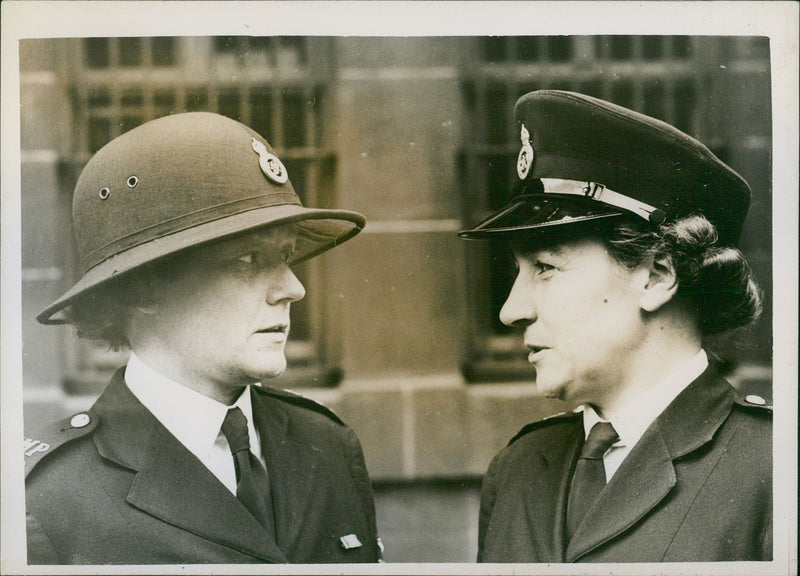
{"points": [[366, 288]]}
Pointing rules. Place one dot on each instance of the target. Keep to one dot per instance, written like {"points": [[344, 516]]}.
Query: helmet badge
{"points": [[525, 158], [271, 166]]}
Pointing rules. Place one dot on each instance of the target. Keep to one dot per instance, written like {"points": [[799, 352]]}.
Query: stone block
{"points": [[44, 125], [429, 521], [392, 52], [441, 439], [377, 417], [46, 236], [496, 413], [43, 348], [397, 158], [41, 54], [398, 304]]}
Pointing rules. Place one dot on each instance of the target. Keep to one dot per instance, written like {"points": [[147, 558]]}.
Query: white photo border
{"points": [[777, 20]]}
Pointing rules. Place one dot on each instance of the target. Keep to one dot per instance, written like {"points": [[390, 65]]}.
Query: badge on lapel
{"points": [[350, 541]]}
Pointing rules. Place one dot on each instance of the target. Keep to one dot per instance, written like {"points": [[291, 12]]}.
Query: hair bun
{"points": [[728, 296]]}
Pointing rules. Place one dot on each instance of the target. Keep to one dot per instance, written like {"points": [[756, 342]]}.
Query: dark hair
{"points": [[716, 280], [101, 315]]}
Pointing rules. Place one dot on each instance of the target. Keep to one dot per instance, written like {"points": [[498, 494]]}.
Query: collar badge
{"points": [[271, 166], [525, 158], [350, 541]]}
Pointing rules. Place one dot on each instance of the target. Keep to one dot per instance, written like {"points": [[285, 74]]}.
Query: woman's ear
{"points": [[662, 284]]}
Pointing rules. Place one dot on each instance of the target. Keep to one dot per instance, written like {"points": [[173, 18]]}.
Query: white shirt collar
{"points": [[193, 418], [633, 418]]}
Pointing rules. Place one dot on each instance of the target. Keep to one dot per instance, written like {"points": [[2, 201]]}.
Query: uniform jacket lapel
{"points": [[550, 475], [292, 466], [171, 484], [648, 474]]}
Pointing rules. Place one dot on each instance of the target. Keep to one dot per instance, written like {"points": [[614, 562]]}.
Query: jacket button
{"points": [[80, 420], [755, 399]]}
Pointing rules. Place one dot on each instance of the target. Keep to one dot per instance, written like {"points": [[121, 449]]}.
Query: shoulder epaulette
{"points": [[298, 400], [554, 419], [754, 401], [48, 439]]}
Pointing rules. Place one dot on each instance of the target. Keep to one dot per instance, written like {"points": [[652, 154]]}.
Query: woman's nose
{"points": [[286, 287], [518, 309]]}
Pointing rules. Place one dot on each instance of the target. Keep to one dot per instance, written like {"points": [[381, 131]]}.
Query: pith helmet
{"points": [[177, 182], [584, 160]]}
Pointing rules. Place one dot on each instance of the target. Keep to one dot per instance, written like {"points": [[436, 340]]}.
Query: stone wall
{"points": [[394, 297]]}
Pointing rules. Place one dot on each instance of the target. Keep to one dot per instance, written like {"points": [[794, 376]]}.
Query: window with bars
{"points": [[275, 85], [657, 75]]}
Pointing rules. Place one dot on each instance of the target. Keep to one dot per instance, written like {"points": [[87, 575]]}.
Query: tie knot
{"points": [[234, 427], [601, 437]]}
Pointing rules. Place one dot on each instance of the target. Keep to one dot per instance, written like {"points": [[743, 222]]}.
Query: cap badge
{"points": [[271, 166], [525, 158]]}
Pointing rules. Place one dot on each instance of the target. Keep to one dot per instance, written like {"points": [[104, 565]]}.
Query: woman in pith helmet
{"points": [[187, 228]]}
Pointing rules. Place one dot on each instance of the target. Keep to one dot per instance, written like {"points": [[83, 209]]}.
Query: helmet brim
{"points": [[318, 230]]}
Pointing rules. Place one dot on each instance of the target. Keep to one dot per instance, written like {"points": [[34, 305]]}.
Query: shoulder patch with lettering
{"points": [[46, 440]]}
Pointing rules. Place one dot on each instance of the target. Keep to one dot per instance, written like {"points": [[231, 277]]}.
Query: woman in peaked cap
{"points": [[624, 232], [186, 229]]}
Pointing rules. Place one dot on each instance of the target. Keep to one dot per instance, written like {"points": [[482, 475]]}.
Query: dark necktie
{"points": [[252, 482], [590, 475]]}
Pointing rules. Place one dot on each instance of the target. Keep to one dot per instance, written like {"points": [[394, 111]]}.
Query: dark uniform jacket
{"points": [[123, 490], [696, 487]]}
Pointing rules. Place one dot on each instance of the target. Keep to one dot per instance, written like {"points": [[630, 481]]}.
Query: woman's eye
{"points": [[263, 259], [543, 267]]}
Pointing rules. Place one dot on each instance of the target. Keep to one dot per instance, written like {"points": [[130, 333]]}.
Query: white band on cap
{"points": [[597, 192]]}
